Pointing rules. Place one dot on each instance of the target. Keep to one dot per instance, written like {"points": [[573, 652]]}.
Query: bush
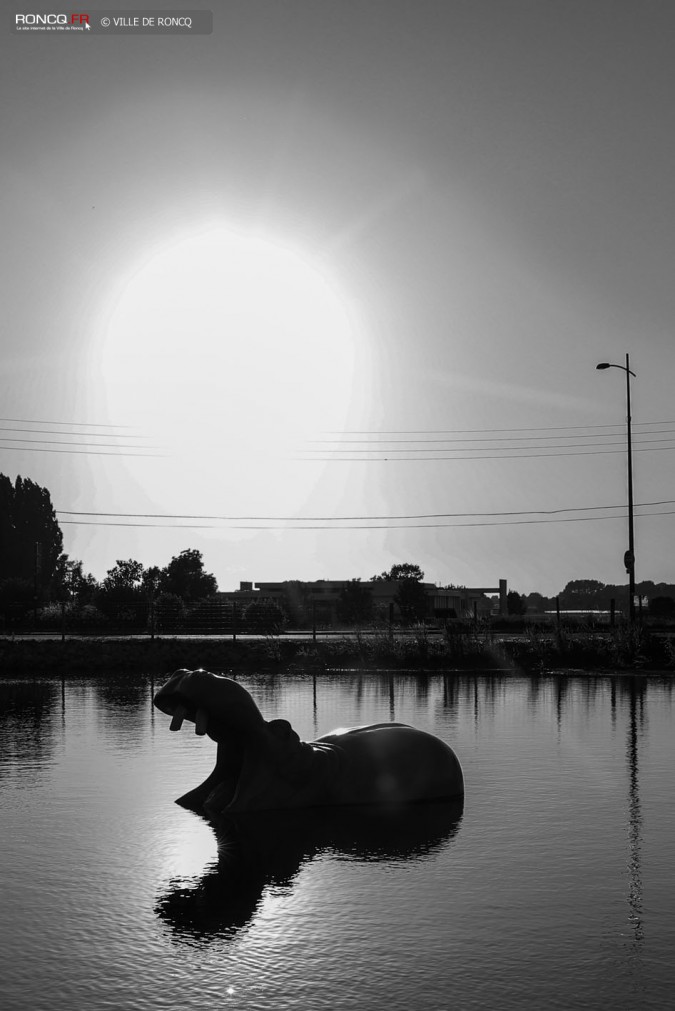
{"points": [[51, 616], [264, 617], [169, 612], [662, 607], [79, 619], [126, 607], [87, 618], [212, 616]]}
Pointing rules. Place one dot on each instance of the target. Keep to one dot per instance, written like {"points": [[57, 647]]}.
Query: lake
{"points": [[552, 887]]}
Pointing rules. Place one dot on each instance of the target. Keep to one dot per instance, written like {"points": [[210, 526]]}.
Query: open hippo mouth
{"points": [[224, 711]]}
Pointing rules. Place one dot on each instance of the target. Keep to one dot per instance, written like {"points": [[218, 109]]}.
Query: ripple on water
{"points": [[554, 891]]}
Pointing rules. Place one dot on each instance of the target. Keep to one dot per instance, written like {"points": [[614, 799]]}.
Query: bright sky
{"points": [[345, 259]]}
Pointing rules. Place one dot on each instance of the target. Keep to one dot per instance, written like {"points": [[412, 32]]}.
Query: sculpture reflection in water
{"points": [[268, 849]]}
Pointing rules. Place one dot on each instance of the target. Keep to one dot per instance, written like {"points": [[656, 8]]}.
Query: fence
{"points": [[146, 618], [226, 618]]}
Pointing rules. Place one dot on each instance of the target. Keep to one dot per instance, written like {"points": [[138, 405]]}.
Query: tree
{"points": [[583, 594], [536, 602], [150, 580], [411, 599], [355, 604], [124, 579], [30, 537], [402, 570], [410, 595], [515, 604], [69, 581], [662, 607], [185, 576], [120, 595]]}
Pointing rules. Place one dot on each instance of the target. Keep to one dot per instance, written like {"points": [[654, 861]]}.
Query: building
{"points": [[317, 601]]}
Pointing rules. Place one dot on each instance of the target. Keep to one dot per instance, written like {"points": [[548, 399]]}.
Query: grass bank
{"points": [[618, 649]]}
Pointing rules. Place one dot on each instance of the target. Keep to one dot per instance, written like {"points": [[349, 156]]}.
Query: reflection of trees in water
{"points": [[451, 691], [401, 696], [591, 689], [561, 692], [373, 696], [350, 698], [267, 689], [472, 693], [612, 703], [626, 694], [28, 710], [421, 688], [535, 686], [258, 851], [121, 706], [121, 692], [494, 688]]}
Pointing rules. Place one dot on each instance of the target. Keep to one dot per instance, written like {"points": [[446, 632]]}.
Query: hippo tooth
{"points": [[200, 722], [179, 715]]}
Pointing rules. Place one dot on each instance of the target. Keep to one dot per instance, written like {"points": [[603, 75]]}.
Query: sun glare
{"points": [[228, 335]]}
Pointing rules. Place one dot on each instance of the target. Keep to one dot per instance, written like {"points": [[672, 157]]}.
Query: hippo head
{"points": [[260, 764]]}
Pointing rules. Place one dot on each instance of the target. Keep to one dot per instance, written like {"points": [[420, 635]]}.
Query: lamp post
{"points": [[629, 557]]}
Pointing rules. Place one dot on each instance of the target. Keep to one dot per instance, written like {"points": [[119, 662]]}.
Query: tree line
{"points": [[657, 599], [35, 572]]}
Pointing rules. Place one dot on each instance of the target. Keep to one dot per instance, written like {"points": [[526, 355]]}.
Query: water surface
{"points": [[552, 888]]}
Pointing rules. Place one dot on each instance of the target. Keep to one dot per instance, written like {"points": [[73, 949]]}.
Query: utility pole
{"points": [[629, 556]]}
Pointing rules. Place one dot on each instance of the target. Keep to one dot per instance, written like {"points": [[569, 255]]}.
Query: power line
{"points": [[49, 431], [470, 431], [64, 438], [326, 519], [501, 456], [508, 453], [41, 421], [516, 452], [488, 449], [61, 442], [89, 452], [455, 449], [515, 438], [395, 526], [343, 433]]}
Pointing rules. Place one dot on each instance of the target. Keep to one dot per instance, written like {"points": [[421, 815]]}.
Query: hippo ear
{"points": [[283, 733], [290, 756]]}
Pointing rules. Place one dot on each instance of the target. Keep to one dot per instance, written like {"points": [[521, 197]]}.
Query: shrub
{"points": [[264, 617], [662, 607], [169, 612]]}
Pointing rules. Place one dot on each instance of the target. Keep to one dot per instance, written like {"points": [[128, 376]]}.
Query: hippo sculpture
{"points": [[262, 765]]}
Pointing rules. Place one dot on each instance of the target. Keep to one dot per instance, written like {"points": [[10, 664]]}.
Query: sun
{"points": [[221, 332]]}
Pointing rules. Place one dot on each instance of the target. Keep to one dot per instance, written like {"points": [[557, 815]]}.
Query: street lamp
{"points": [[629, 557]]}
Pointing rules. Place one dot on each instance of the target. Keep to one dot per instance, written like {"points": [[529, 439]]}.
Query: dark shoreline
{"points": [[634, 652]]}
